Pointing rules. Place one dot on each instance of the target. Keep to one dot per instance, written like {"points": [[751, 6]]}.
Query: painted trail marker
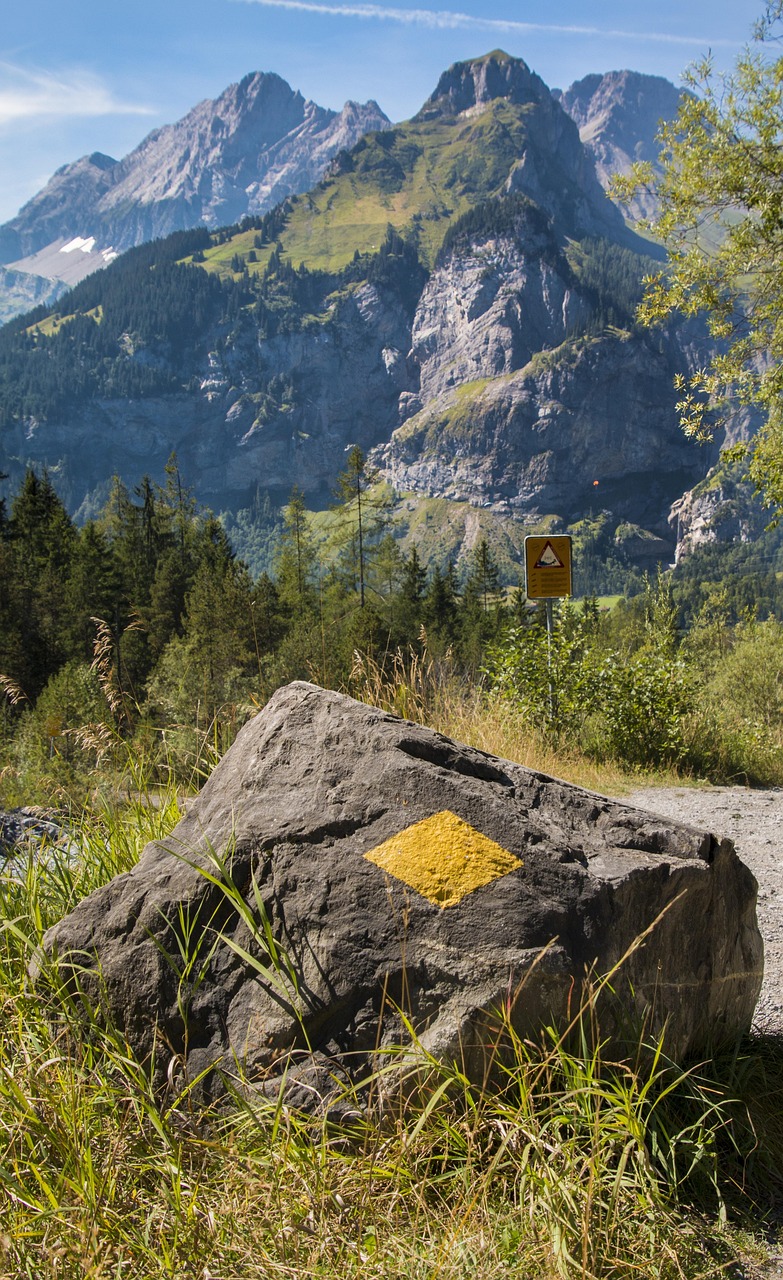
{"points": [[548, 566]]}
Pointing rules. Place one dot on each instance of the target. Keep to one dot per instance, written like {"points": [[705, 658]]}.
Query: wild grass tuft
{"points": [[571, 1165], [415, 684]]}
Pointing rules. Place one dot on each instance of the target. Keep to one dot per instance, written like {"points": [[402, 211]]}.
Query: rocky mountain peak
{"points": [[618, 115], [236, 155], [622, 107], [471, 84], [100, 161]]}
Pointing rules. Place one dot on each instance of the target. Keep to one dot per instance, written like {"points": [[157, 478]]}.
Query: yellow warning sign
{"points": [[548, 566], [443, 858]]}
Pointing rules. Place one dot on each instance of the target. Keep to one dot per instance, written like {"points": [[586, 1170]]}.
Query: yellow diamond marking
{"points": [[443, 858]]}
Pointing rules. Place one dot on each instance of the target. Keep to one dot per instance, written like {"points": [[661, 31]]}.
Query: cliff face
{"points": [[721, 508], [343, 380], [488, 308], [240, 154], [512, 413]]}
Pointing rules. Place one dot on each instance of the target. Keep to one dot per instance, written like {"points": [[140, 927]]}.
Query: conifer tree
{"points": [[361, 520], [297, 558], [43, 540]]}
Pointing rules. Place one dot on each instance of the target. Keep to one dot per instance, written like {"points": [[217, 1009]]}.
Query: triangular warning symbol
{"points": [[549, 558]]}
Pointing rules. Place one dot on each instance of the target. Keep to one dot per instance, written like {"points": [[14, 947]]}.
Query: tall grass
{"points": [[572, 1165], [416, 685]]}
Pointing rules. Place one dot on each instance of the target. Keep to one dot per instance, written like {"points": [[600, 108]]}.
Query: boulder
{"points": [[345, 875], [29, 831]]}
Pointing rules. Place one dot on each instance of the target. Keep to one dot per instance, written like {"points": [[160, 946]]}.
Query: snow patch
{"points": [[79, 242]]}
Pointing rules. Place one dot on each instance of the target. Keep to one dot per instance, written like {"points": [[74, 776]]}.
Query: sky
{"points": [[78, 76]]}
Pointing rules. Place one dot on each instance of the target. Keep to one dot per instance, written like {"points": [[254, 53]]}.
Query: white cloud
{"points": [[440, 19], [34, 95]]}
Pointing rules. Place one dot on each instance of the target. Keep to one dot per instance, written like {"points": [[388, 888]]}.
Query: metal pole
{"points": [[550, 624]]}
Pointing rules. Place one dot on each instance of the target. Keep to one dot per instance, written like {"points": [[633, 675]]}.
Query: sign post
{"points": [[548, 578]]}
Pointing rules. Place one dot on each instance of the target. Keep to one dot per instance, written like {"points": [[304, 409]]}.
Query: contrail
{"points": [[443, 19]]}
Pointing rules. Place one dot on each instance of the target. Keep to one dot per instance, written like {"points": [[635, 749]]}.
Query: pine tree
{"points": [[297, 558], [93, 588], [440, 607], [43, 540], [362, 518]]}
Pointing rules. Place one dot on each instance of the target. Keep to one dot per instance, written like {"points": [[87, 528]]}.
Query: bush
{"points": [[644, 703], [736, 733], [66, 733], [581, 689]]}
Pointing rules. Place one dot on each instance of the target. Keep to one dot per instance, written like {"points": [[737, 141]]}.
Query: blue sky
{"points": [[78, 76]]}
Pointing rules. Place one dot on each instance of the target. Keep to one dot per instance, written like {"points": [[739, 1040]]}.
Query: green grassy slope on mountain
{"points": [[419, 176]]}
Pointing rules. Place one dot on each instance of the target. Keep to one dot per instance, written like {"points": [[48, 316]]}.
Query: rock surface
{"points": [[753, 820], [29, 832], [394, 869], [591, 421], [721, 508], [618, 116], [237, 155]]}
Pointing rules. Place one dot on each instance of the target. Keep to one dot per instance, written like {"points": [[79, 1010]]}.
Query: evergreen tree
{"points": [[43, 540], [93, 588], [440, 608], [361, 520], [297, 558]]}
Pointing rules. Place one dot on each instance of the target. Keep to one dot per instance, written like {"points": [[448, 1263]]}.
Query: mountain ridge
{"points": [[456, 296], [236, 155]]}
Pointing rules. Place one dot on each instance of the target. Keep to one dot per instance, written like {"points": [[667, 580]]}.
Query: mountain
{"points": [[456, 296], [237, 155], [618, 116]]}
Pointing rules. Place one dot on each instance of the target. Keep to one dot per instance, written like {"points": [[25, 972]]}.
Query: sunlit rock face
{"points": [[237, 155]]}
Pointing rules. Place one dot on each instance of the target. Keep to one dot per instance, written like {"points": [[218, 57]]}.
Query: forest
{"points": [[143, 629]]}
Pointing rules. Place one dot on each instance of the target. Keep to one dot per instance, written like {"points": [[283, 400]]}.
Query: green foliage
{"points": [[627, 686], [643, 704], [738, 735], [611, 279], [64, 735], [552, 678], [749, 574], [719, 219], [362, 517], [513, 216]]}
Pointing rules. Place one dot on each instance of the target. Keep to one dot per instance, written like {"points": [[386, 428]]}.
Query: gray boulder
{"points": [[342, 867]]}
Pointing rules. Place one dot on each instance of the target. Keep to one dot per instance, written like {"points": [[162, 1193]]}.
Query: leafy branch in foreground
{"points": [[719, 193]]}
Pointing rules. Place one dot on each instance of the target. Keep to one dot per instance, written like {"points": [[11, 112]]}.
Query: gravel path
{"points": [[754, 821]]}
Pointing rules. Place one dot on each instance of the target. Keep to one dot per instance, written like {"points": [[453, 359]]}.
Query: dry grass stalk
{"points": [[13, 691], [419, 687]]}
